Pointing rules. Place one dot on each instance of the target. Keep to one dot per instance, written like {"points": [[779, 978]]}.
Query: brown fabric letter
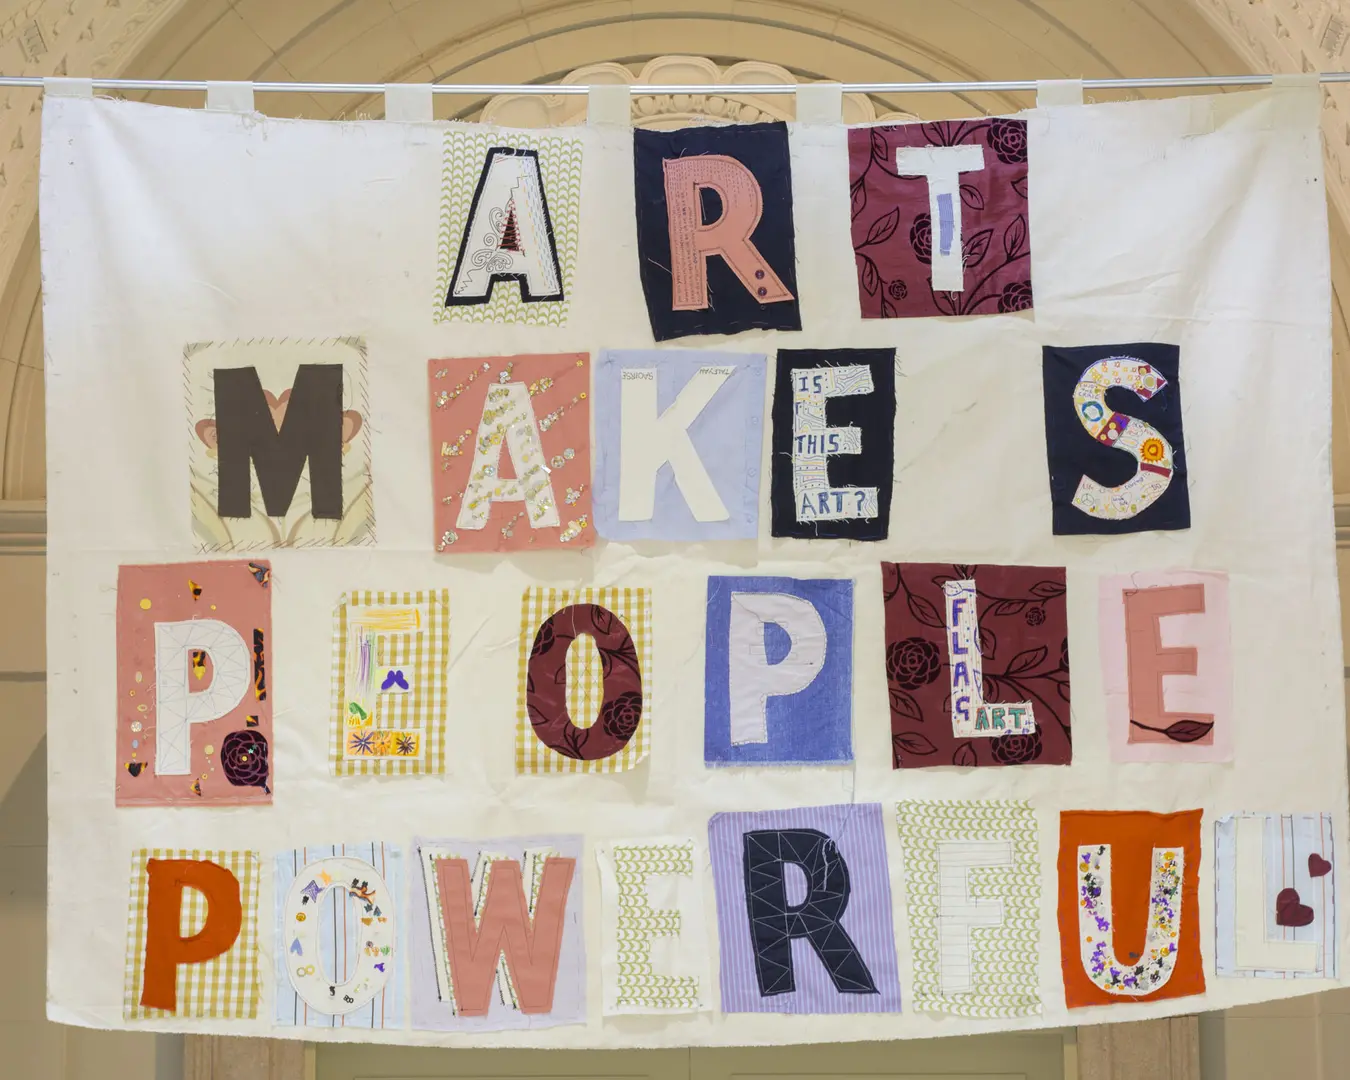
{"points": [[531, 946], [1148, 660], [165, 949], [310, 430], [691, 241]]}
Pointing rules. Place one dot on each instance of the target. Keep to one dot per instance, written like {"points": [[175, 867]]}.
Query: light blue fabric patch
{"points": [[726, 436], [343, 938], [778, 675]]}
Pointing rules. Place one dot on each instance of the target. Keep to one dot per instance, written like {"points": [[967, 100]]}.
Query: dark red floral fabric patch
{"points": [[1015, 646], [900, 219]]}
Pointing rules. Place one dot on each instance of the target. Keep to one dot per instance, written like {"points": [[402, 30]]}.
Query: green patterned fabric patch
{"points": [[974, 890], [654, 959], [512, 223]]}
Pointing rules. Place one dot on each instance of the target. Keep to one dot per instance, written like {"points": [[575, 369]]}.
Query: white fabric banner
{"points": [[1196, 222]]}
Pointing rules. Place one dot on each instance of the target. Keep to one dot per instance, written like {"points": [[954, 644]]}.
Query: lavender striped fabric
{"points": [[858, 833]]}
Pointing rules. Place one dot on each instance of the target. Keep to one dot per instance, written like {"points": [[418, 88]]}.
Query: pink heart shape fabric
{"points": [[1318, 866]]}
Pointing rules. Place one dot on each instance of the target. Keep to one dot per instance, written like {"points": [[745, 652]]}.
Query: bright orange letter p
{"points": [[165, 947]]}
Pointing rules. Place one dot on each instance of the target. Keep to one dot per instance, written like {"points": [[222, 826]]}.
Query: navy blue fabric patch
{"points": [[733, 304], [1114, 439], [833, 443]]}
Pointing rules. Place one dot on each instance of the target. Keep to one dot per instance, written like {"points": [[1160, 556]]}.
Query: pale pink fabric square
{"points": [[1189, 701]]}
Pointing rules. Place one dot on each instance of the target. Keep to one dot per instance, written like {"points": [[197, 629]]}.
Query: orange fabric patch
{"points": [[1132, 837], [165, 948]]}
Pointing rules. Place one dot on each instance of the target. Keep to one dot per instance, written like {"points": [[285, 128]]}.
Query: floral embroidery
{"points": [[1148, 973]]}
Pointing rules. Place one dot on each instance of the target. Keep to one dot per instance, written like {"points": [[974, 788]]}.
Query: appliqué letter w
{"points": [[531, 944]]}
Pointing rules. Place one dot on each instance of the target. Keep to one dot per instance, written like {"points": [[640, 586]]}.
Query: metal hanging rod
{"points": [[492, 89]]}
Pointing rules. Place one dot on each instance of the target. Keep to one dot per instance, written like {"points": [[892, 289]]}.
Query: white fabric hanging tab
{"points": [[76, 88], [229, 96], [820, 103], [407, 102], [609, 103], [1053, 92]]}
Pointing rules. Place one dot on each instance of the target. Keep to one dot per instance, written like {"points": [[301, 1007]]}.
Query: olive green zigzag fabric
{"points": [[639, 986], [560, 167], [1005, 975]]}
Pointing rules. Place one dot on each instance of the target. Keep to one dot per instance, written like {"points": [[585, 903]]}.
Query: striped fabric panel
{"points": [[585, 678], [858, 832], [223, 988], [423, 654], [386, 1008]]}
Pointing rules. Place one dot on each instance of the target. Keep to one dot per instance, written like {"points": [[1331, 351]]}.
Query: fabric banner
{"points": [[788, 582]]}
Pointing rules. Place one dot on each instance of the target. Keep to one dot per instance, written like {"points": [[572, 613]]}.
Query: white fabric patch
{"points": [[1143, 441], [654, 955], [972, 716], [363, 885], [229, 97], [1255, 949], [649, 439], [959, 911], [813, 442], [942, 167], [177, 705], [408, 103], [509, 233], [1096, 923], [508, 405], [752, 679], [1052, 93]]}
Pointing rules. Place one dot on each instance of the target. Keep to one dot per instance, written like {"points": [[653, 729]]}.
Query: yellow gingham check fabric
{"points": [[403, 734], [585, 685], [223, 988]]}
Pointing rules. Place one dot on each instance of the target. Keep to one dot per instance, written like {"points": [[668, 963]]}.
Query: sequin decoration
{"points": [[511, 439]]}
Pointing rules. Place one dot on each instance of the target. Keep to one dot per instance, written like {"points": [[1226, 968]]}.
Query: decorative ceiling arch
{"points": [[676, 110]]}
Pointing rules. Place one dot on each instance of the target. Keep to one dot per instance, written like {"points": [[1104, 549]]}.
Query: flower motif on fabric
{"points": [[243, 757], [942, 202], [1017, 748], [1008, 139], [913, 663], [1143, 975], [1016, 296], [620, 717]]}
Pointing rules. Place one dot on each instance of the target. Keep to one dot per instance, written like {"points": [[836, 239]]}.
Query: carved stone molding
{"points": [[676, 110]]}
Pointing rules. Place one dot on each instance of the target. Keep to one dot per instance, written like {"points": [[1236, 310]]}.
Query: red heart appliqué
{"points": [[1289, 911], [1318, 866]]}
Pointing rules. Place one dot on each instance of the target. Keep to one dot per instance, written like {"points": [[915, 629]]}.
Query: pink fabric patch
{"points": [[1192, 719], [511, 453], [894, 234], [226, 761]]}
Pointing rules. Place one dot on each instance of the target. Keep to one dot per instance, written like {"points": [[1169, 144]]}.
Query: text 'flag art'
{"points": [[833, 582]]}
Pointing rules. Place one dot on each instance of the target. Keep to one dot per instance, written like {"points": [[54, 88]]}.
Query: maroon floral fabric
{"points": [[1024, 650], [546, 683], [892, 230]]}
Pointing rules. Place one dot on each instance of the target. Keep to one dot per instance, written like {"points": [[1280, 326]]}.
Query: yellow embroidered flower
{"points": [[1152, 450]]}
